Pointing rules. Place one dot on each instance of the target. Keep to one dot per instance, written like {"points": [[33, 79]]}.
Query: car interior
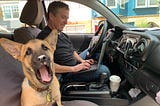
{"points": [[131, 54]]}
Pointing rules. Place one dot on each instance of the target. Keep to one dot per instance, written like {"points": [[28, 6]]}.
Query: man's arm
{"points": [[78, 58], [65, 69], [62, 69]]}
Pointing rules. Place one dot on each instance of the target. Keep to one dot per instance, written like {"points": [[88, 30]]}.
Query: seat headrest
{"points": [[32, 13], [24, 34]]}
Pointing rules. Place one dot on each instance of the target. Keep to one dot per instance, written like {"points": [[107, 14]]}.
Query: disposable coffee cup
{"points": [[114, 83]]}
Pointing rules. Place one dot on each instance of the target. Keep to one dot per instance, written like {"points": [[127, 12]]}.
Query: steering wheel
{"points": [[95, 47]]}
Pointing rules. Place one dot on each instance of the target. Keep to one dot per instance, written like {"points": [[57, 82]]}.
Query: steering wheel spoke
{"points": [[98, 45]]}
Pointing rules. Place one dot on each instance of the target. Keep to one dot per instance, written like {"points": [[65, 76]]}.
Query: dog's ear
{"points": [[52, 39], [11, 47]]}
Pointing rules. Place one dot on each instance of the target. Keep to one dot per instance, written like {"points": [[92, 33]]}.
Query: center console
{"points": [[97, 92]]}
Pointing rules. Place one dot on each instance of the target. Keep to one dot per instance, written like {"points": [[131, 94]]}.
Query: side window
{"points": [[78, 22], [9, 15], [82, 19]]}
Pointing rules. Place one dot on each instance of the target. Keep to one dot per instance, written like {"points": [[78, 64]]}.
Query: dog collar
{"points": [[49, 96], [38, 89]]}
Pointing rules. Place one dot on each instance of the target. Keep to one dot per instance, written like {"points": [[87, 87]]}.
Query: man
{"points": [[66, 58]]}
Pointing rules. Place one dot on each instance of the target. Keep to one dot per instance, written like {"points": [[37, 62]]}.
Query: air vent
{"points": [[140, 47]]}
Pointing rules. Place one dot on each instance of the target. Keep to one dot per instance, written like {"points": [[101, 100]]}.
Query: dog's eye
{"points": [[44, 47], [29, 51]]}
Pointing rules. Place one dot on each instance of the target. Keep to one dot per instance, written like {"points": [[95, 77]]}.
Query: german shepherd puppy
{"points": [[40, 86]]}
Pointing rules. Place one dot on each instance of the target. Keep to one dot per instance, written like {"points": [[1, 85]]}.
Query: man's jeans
{"points": [[90, 76]]}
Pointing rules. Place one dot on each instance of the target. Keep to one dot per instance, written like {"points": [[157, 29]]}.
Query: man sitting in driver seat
{"points": [[66, 58]]}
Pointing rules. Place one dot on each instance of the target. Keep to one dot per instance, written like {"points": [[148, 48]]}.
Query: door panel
{"points": [[80, 41]]}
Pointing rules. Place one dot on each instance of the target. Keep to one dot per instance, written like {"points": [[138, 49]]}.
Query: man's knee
{"points": [[104, 69]]}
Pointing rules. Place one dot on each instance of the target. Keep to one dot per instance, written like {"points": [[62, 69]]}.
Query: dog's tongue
{"points": [[44, 74]]}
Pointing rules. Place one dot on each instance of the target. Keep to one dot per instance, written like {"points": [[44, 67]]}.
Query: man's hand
{"points": [[81, 66], [90, 61]]}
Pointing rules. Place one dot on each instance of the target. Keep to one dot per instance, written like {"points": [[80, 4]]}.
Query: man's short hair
{"points": [[55, 5]]}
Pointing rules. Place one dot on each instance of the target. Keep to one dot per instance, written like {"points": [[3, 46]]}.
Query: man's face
{"points": [[59, 20]]}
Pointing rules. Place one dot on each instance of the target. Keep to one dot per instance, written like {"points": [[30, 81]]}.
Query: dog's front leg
{"points": [[56, 91]]}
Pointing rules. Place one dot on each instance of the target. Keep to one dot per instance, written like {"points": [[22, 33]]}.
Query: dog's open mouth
{"points": [[44, 74]]}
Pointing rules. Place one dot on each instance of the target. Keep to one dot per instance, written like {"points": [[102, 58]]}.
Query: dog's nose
{"points": [[42, 58]]}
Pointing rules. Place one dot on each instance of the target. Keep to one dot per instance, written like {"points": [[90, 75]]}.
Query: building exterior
{"points": [[9, 14], [141, 13]]}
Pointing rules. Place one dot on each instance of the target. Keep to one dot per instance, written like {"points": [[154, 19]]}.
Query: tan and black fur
{"points": [[40, 86]]}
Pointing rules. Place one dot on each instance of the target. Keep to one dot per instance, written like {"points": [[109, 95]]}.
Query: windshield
{"points": [[137, 13]]}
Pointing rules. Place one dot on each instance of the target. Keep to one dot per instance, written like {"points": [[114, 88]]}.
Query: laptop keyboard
{"points": [[93, 67]]}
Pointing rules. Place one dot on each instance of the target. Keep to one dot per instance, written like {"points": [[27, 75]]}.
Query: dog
{"points": [[40, 86]]}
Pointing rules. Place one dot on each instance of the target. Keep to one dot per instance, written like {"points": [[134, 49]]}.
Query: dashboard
{"points": [[139, 60], [133, 47]]}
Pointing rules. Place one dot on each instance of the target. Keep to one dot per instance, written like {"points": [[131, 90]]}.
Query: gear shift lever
{"points": [[103, 76]]}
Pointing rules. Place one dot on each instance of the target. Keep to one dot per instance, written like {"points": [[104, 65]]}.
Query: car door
{"points": [[80, 41]]}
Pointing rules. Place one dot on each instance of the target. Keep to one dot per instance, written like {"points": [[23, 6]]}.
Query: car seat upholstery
{"points": [[11, 76], [31, 16]]}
